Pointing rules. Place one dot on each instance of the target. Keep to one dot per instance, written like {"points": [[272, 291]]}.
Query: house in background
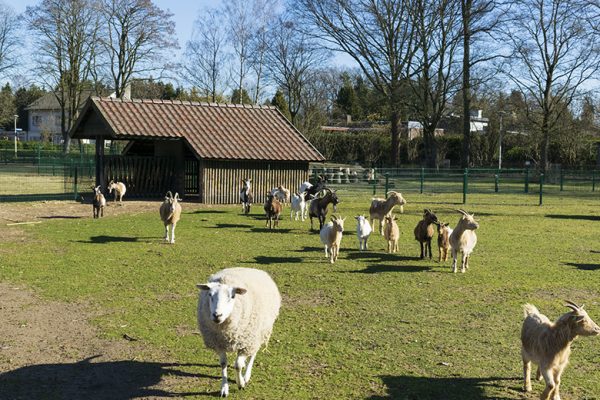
{"points": [[43, 117], [479, 124]]}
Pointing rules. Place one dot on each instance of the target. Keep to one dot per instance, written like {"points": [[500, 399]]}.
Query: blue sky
{"points": [[185, 12]]}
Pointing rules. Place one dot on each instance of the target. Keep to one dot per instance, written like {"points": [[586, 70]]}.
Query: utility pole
{"points": [[500, 140], [16, 116]]}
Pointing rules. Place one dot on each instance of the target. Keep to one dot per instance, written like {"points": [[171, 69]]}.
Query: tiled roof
{"points": [[215, 131]]}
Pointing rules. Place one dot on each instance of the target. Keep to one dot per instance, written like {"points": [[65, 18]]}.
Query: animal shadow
{"points": [[378, 256], [580, 217], [584, 267], [277, 260], [114, 380], [450, 388], [274, 230], [378, 268], [108, 239], [218, 226]]}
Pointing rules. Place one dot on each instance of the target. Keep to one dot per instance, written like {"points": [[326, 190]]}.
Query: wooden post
{"points": [[100, 179]]}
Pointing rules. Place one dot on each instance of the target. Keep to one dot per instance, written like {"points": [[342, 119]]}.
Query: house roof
{"points": [[50, 102], [213, 131]]}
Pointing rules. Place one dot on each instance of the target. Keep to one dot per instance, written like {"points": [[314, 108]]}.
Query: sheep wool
{"points": [[251, 322]]}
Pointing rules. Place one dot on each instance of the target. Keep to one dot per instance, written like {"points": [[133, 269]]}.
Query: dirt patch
{"points": [[48, 350], [61, 209]]}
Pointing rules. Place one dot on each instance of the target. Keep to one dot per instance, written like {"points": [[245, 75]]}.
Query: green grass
{"points": [[371, 326]]}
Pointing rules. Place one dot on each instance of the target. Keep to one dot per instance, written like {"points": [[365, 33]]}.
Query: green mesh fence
{"points": [[377, 181]]}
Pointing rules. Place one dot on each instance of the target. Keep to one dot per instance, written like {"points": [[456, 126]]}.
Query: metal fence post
{"points": [[465, 185], [541, 188], [422, 178], [75, 188], [593, 180], [526, 179], [562, 177], [496, 179], [387, 183]]}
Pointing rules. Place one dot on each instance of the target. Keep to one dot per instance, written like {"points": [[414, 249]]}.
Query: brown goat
{"points": [[272, 210], [444, 232], [424, 232], [391, 233], [548, 344], [380, 208]]}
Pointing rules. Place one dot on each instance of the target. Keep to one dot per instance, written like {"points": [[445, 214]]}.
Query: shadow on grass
{"points": [[424, 388], [584, 267], [108, 239], [277, 260], [274, 230], [378, 256], [209, 212], [308, 249], [573, 216], [377, 268], [115, 380], [231, 226]]}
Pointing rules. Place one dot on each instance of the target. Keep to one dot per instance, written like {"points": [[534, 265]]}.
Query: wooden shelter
{"points": [[197, 149]]}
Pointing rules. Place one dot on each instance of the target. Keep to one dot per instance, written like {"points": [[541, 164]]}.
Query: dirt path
{"points": [[49, 350]]}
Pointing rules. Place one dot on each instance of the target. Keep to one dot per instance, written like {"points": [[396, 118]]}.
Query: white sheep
{"points": [[331, 237], [548, 344], [298, 205], [119, 188], [236, 311], [363, 231], [170, 213], [463, 239]]}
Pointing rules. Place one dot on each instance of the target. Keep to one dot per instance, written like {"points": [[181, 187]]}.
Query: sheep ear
{"points": [[206, 286], [239, 290]]}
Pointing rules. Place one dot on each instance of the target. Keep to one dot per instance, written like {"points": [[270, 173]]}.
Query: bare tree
{"points": [[480, 18], [240, 25], [378, 35], [436, 76], [137, 34], [291, 59], [205, 54], [66, 32], [554, 53], [9, 38], [264, 16]]}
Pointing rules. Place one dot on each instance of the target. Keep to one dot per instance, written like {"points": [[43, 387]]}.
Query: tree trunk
{"points": [[466, 89], [545, 145], [395, 132], [430, 146]]}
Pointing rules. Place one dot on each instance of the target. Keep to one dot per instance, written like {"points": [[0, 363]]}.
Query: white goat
{"points": [[463, 239], [380, 208], [170, 212], [298, 205], [331, 237], [305, 186], [281, 193], [237, 308], [548, 344], [119, 188], [363, 231]]}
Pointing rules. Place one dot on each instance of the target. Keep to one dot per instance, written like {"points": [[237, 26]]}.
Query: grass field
{"points": [[371, 326]]}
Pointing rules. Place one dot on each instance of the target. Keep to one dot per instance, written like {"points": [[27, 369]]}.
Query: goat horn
{"points": [[463, 212], [570, 303]]}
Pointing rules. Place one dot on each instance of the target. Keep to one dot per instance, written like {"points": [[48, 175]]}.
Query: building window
{"points": [[36, 120]]}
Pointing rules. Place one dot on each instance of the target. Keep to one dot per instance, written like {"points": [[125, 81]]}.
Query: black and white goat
{"points": [[246, 195]]}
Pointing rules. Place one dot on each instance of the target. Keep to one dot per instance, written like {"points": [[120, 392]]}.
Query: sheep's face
{"points": [[221, 299], [583, 324], [246, 183]]}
